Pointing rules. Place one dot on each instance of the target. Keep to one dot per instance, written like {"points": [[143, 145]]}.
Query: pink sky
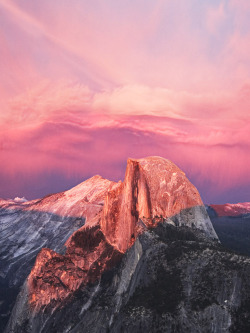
{"points": [[86, 84]]}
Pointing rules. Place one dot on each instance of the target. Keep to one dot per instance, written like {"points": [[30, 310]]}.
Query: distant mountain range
{"points": [[135, 256], [232, 225], [239, 209]]}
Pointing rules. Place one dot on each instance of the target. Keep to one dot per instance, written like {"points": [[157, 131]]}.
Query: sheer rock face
{"points": [[154, 189]]}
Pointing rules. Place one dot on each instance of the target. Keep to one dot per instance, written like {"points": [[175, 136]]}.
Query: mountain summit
{"points": [[153, 189]]}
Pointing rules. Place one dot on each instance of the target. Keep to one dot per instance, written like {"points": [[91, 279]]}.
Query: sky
{"points": [[85, 85]]}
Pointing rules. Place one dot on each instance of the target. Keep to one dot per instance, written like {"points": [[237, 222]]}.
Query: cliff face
{"points": [[146, 259]]}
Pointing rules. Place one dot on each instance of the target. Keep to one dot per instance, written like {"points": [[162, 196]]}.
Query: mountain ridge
{"points": [[135, 239], [241, 208]]}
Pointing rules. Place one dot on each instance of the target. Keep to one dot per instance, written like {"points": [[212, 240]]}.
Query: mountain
{"points": [[232, 225], [27, 227], [238, 209], [143, 257]]}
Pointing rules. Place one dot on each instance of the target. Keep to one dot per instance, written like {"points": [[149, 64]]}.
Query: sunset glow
{"points": [[85, 85]]}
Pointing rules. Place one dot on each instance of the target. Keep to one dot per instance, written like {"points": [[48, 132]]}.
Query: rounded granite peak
{"points": [[154, 161], [154, 189]]}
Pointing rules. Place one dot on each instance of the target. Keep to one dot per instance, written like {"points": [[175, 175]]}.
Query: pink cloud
{"points": [[68, 136], [215, 17], [45, 100], [206, 119], [62, 148]]}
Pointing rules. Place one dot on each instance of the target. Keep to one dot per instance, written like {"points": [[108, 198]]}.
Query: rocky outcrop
{"points": [[54, 277]]}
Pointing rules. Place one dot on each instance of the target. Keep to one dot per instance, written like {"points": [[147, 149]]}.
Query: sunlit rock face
{"points": [[154, 189], [54, 277]]}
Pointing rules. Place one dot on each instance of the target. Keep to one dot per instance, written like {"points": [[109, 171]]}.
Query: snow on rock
{"points": [[232, 209], [23, 199]]}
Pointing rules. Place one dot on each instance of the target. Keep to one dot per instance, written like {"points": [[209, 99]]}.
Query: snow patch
{"points": [[23, 199]]}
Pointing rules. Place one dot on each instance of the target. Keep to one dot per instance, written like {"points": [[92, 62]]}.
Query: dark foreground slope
{"points": [[173, 279]]}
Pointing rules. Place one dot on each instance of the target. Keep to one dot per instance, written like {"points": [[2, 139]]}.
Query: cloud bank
{"points": [[76, 132]]}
